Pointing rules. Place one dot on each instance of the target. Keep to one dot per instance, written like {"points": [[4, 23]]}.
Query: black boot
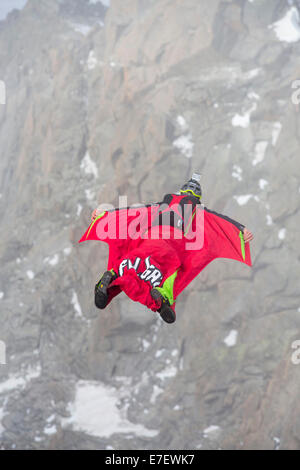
{"points": [[165, 310], [101, 296]]}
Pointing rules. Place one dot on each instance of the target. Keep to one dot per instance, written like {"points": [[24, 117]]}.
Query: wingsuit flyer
{"points": [[156, 250]]}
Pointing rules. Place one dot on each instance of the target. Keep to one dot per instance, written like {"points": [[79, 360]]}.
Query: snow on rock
{"points": [[145, 344], [30, 274], [243, 120], [212, 432], [83, 29], [50, 419], [181, 122], [159, 352], [79, 210], [244, 199], [237, 172], [89, 166], [155, 393], [91, 61], [253, 96], [231, 338], [76, 304], [50, 430], [276, 132], [263, 183], [288, 29], [52, 261], [67, 251], [282, 234], [167, 373], [1, 295], [185, 144], [269, 219], [19, 381], [96, 411], [90, 194], [259, 152], [252, 73], [277, 443]]}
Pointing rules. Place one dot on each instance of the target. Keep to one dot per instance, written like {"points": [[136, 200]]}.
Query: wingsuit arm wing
{"points": [[120, 224], [228, 241], [225, 217]]}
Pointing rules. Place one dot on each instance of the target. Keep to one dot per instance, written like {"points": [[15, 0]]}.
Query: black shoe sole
{"points": [[167, 314], [101, 300], [101, 296]]}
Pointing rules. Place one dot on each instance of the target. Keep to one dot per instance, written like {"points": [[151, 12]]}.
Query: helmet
{"points": [[193, 186]]}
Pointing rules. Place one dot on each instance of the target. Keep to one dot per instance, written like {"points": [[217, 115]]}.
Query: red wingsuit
{"points": [[165, 245]]}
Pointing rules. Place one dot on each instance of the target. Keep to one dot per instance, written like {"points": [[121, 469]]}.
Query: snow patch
{"points": [[50, 430], [79, 209], [155, 393], [90, 194], [89, 166], [146, 344], [97, 412], [231, 338], [185, 144], [181, 122], [252, 73], [282, 234], [83, 29], [263, 183], [243, 120], [167, 373], [276, 132], [259, 152], [287, 29], [17, 381], [52, 261], [212, 432], [244, 199], [253, 96], [237, 172], [269, 219], [91, 61], [159, 352], [277, 443], [30, 274], [1, 295], [76, 305]]}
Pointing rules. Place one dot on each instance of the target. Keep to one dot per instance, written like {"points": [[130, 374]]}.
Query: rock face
{"points": [[128, 99]]}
